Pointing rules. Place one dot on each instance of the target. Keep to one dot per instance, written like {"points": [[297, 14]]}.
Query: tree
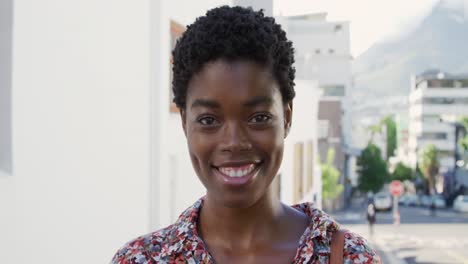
{"points": [[372, 169], [402, 172], [391, 135], [389, 124], [464, 141], [429, 165], [331, 189]]}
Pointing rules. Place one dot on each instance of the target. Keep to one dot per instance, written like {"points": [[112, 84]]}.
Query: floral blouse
{"points": [[179, 242]]}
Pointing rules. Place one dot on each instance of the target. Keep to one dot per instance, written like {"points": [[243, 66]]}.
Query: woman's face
{"points": [[235, 122]]}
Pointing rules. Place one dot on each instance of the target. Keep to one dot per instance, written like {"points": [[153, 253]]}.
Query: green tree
{"points": [[331, 189], [390, 126], [391, 135], [402, 172], [464, 141], [429, 164], [372, 169]]}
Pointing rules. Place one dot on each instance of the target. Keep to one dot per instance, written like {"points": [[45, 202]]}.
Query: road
{"points": [[419, 238]]}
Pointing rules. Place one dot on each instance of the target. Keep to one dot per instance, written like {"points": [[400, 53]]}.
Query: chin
{"points": [[237, 200]]}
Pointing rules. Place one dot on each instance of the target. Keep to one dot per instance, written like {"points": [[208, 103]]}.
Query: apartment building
{"points": [[437, 100]]}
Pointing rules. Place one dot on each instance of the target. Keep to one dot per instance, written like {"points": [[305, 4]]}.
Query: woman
{"points": [[371, 218], [234, 86]]}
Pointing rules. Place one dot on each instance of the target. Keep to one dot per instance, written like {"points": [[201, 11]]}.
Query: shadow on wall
{"points": [[6, 34]]}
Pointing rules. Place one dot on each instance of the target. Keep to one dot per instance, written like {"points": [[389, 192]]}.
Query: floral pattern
{"points": [[180, 243]]}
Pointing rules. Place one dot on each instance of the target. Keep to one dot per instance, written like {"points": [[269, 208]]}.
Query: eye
{"points": [[207, 121], [260, 119]]}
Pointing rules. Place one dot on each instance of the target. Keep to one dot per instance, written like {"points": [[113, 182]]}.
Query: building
{"points": [[437, 101], [300, 176], [323, 54]]}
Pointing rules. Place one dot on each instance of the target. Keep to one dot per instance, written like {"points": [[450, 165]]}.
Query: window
{"points": [[448, 83], [338, 28], [333, 90], [309, 181], [317, 51], [176, 32], [6, 28], [323, 127], [434, 136], [445, 100], [298, 171], [431, 118], [331, 51]]}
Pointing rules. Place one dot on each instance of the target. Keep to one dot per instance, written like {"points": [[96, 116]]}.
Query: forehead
{"points": [[237, 80]]}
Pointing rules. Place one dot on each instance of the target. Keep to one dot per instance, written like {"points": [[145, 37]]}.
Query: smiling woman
{"points": [[234, 85]]}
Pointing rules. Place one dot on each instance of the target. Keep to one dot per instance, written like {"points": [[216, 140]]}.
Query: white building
{"points": [[437, 100], [323, 54]]}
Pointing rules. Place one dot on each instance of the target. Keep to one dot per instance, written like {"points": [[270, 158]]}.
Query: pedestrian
{"points": [[433, 206], [233, 82], [371, 218]]}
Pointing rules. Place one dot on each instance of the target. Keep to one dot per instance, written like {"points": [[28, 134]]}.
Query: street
{"points": [[420, 237]]}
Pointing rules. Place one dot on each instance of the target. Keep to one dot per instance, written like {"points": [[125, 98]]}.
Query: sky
{"points": [[370, 20]]}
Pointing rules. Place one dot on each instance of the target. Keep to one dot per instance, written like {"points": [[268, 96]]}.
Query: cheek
{"points": [[272, 142], [199, 149]]}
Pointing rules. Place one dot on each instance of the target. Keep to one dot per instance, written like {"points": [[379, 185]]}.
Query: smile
{"points": [[237, 172]]}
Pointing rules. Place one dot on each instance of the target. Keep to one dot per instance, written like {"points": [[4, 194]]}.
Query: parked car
{"points": [[411, 200], [402, 199], [425, 200], [382, 201], [460, 203], [439, 201]]}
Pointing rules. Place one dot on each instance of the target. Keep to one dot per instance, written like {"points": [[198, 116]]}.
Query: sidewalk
{"points": [[387, 255], [354, 218]]}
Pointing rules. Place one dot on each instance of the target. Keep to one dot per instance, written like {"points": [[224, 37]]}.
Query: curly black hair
{"points": [[233, 33]]}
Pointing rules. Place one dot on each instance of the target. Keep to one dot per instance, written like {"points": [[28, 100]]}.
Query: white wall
{"points": [[81, 131]]}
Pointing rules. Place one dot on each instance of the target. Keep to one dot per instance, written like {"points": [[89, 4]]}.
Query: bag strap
{"points": [[337, 245]]}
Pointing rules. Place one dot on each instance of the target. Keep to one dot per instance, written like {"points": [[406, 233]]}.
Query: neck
{"points": [[241, 227]]}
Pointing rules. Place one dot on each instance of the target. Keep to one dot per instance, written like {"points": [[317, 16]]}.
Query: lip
{"points": [[237, 181]]}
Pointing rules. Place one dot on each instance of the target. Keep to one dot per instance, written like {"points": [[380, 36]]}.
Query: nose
{"points": [[235, 138]]}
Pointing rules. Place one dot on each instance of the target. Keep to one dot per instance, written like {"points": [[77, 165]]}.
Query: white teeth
{"points": [[237, 171]]}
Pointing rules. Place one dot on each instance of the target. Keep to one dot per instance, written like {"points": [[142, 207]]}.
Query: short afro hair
{"points": [[233, 33]]}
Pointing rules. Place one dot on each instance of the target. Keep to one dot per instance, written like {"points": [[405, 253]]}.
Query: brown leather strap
{"points": [[337, 245]]}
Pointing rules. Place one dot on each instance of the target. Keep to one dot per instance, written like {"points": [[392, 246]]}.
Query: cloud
{"points": [[459, 5]]}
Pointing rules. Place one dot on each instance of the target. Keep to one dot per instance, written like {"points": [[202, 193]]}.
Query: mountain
{"points": [[439, 42]]}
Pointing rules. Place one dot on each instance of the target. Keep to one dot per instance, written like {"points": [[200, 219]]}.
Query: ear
{"points": [[183, 118], [288, 110]]}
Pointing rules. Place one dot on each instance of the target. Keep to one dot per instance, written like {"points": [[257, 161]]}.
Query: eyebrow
{"points": [[255, 101], [205, 103], [259, 100]]}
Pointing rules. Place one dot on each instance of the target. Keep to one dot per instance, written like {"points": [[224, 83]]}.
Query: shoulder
{"points": [[144, 249], [357, 250], [165, 244]]}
